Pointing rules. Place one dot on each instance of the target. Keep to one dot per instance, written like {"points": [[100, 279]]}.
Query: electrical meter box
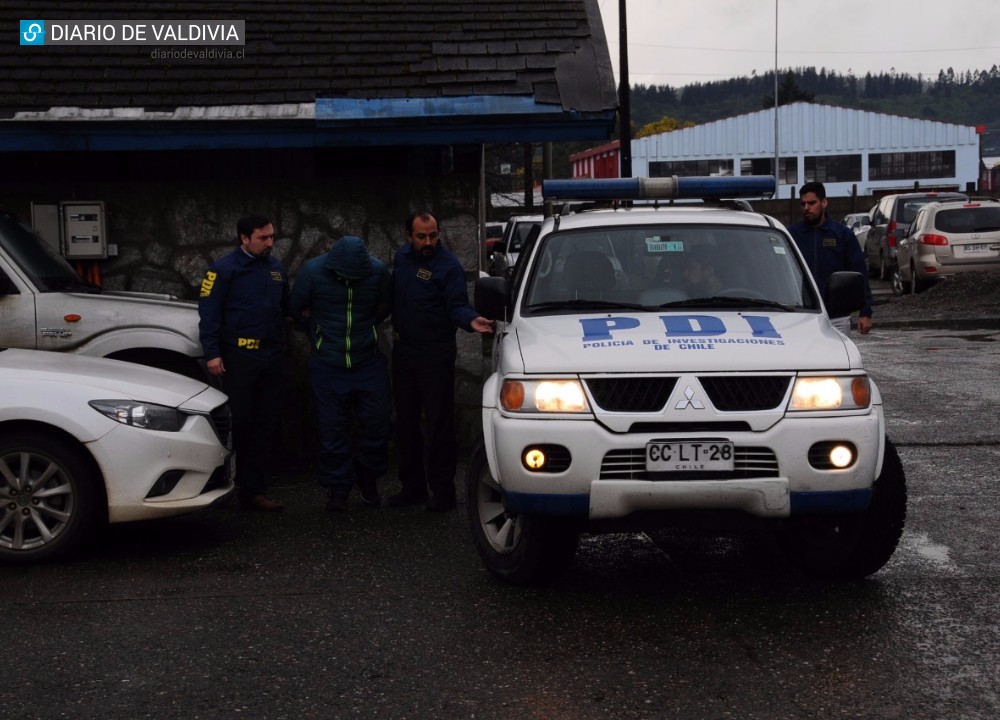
{"points": [[84, 234]]}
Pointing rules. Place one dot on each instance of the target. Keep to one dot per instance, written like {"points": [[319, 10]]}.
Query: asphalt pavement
{"points": [[388, 613]]}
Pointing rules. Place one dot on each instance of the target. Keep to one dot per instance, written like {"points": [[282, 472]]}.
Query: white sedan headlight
{"points": [[546, 396], [141, 414], [838, 392]]}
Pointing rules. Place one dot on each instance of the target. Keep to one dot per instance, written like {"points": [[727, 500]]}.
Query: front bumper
{"points": [[606, 478], [132, 459]]}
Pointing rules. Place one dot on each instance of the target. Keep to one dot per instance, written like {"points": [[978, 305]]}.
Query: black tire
{"points": [[916, 285], [899, 287], [49, 502], [852, 546], [519, 549]]}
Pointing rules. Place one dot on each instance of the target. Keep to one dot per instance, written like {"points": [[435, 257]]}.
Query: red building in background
{"points": [[598, 162]]}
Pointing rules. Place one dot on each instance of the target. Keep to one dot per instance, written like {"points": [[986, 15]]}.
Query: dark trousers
{"points": [[256, 390], [351, 398], [423, 383]]}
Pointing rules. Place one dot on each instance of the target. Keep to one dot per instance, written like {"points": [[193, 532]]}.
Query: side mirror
{"points": [[492, 298], [844, 293]]}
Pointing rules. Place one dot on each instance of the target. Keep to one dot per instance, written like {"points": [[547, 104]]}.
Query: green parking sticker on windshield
{"points": [[659, 246]]}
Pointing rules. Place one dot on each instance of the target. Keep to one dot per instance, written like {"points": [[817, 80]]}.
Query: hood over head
{"points": [[349, 258]]}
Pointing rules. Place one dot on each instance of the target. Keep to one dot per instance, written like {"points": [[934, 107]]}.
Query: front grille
{"points": [[749, 462], [222, 423], [631, 394], [742, 393]]}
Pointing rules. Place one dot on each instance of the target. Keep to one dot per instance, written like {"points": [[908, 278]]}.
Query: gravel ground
{"points": [[965, 298]]}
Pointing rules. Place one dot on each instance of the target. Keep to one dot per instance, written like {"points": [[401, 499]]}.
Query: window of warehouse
{"points": [[911, 165]]}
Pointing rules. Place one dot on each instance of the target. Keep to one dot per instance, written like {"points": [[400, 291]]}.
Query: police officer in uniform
{"points": [[429, 303], [829, 246], [243, 304]]}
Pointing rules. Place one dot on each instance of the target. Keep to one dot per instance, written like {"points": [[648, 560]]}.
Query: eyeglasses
{"points": [[426, 236]]}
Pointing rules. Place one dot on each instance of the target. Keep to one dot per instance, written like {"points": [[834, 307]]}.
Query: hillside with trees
{"points": [[963, 98], [969, 98]]}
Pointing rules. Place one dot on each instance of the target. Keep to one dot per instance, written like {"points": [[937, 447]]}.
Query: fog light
{"points": [[534, 459], [841, 456], [833, 455], [165, 484]]}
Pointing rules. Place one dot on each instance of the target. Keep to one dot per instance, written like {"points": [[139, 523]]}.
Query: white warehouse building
{"points": [[841, 147]]}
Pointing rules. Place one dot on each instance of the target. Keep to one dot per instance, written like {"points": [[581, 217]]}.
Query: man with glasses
{"points": [[430, 302]]}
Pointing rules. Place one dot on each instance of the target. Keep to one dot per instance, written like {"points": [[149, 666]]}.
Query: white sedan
{"points": [[88, 440]]}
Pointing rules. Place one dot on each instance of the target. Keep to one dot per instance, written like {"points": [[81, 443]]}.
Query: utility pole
{"points": [[624, 95]]}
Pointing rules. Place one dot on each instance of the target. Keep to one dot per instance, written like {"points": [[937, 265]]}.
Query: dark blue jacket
{"points": [[243, 303], [348, 293], [430, 299], [829, 248]]}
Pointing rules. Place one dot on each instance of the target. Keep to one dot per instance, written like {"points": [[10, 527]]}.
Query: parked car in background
{"points": [[504, 254], [890, 220], [946, 238], [859, 224], [84, 441]]}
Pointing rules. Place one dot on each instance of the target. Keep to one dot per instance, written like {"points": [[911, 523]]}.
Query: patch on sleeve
{"points": [[208, 283]]}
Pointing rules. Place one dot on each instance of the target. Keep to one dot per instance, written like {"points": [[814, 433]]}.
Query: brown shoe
{"points": [[262, 503]]}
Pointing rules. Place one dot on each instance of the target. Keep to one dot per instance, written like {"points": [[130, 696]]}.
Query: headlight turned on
{"points": [[543, 396], [148, 416], [843, 392]]}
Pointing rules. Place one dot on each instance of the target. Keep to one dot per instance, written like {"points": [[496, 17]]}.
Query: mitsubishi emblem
{"points": [[689, 401]]}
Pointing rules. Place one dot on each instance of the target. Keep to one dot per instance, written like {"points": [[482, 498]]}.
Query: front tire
{"points": [[884, 270], [851, 546], [49, 501], [518, 548], [899, 286]]}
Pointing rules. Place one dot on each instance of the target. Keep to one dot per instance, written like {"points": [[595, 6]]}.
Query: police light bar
{"points": [[714, 188]]}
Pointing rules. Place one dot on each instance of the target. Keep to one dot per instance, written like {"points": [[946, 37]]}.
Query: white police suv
{"points": [[655, 363]]}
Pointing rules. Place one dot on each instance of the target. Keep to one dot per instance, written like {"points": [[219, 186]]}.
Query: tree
{"points": [[789, 92], [664, 124]]}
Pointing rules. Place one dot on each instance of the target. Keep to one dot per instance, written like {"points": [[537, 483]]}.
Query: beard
{"points": [[427, 251]]}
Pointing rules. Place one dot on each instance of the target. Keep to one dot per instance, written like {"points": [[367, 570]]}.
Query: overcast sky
{"points": [[679, 42]]}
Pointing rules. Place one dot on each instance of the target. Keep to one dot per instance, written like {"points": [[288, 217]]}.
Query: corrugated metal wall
{"points": [[808, 129]]}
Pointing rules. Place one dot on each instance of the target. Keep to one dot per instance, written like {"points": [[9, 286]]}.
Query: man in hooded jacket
{"points": [[343, 296]]}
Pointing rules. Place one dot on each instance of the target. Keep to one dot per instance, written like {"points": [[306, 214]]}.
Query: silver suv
{"points": [[891, 219], [948, 238]]}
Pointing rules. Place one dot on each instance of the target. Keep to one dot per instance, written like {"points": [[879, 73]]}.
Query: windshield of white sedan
{"points": [[664, 267]]}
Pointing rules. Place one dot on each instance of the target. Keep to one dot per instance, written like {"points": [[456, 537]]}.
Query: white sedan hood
{"points": [[114, 378], [703, 341]]}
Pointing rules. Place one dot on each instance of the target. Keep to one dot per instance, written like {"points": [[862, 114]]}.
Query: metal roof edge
{"points": [[353, 109]]}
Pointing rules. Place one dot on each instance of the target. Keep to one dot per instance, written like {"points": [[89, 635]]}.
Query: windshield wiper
{"points": [[729, 301], [586, 303]]}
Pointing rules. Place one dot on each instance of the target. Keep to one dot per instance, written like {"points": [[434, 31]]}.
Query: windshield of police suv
{"points": [[48, 270], [663, 267]]}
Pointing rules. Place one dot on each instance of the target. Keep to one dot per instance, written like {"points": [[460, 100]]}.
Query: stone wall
{"points": [[169, 231]]}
